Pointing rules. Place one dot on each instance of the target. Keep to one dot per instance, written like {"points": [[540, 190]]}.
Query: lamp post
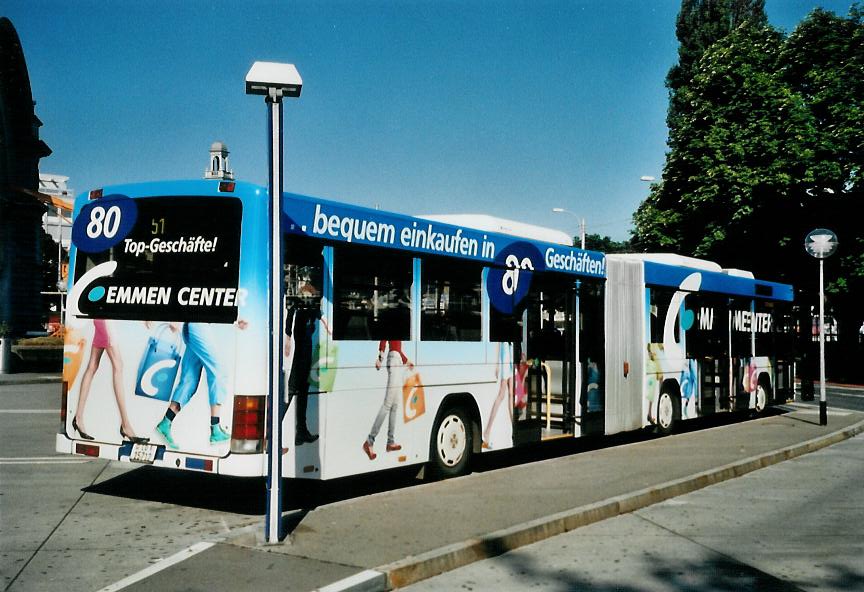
{"points": [[821, 243], [275, 81], [581, 222]]}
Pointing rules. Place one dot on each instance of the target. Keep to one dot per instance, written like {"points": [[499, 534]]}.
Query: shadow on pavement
{"points": [[494, 460], [247, 495], [244, 495], [716, 573]]}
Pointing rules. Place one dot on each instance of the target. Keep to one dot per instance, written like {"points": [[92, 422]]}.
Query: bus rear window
{"points": [[179, 262]]}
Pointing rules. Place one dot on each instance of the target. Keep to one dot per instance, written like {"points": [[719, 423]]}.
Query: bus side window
{"points": [[450, 306], [659, 306], [304, 268], [371, 293]]}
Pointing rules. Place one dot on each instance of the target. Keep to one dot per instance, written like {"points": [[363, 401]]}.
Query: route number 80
{"points": [[104, 222]]}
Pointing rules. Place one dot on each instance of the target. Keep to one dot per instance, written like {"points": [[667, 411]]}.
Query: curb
{"points": [[426, 565]]}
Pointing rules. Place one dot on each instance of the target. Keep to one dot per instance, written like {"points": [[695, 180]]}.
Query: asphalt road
{"points": [[70, 524], [73, 524], [789, 527], [840, 397]]}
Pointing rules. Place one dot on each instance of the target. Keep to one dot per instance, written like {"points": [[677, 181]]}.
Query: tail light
{"points": [[247, 431], [87, 449]]}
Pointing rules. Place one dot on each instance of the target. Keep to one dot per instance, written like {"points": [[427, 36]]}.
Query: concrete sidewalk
{"points": [[391, 539]]}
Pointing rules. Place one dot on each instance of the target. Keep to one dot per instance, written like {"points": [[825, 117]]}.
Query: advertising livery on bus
{"points": [[408, 340]]}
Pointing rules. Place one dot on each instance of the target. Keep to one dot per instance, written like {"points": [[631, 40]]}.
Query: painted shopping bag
{"points": [[413, 397], [159, 365], [73, 353], [325, 357]]}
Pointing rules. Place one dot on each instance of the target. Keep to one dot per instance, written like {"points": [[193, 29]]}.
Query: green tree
{"points": [[733, 177], [700, 24], [767, 143], [604, 244], [823, 61]]}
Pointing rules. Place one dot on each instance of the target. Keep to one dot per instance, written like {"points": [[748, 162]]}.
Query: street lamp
{"points": [[821, 243], [581, 222], [274, 81]]}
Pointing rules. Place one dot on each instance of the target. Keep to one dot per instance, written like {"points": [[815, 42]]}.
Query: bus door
{"points": [[545, 376], [714, 386], [740, 353], [708, 343], [589, 321]]}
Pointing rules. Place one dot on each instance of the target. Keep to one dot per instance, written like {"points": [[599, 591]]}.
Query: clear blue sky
{"points": [[502, 108]]}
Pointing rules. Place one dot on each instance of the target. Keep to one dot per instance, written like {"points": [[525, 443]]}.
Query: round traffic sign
{"points": [[821, 243]]}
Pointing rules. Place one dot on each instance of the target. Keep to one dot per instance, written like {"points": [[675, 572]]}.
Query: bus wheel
{"points": [[451, 445], [761, 399], [666, 413]]}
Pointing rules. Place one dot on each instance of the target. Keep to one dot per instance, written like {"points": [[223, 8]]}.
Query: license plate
{"points": [[143, 453]]}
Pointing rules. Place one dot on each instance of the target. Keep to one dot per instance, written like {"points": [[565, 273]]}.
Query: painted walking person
{"points": [[395, 360], [301, 322], [102, 344], [504, 377], [199, 358]]}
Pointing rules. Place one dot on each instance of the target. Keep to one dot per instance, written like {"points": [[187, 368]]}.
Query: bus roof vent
{"points": [[672, 259], [739, 273], [503, 226]]}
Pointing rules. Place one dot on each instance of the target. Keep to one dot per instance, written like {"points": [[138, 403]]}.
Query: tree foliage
{"points": [[766, 142], [739, 157], [604, 244], [700, 24], [771, 142]]}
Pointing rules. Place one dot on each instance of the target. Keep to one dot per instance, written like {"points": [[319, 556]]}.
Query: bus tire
{"points": [[668, 411], [762, 395], [451, 443]]}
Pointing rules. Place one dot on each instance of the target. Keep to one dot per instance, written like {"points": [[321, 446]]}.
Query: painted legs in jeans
{"points": [[391, 400]]}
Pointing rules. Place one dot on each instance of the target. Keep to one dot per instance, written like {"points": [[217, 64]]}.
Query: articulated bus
{"points": [[408, 340]]}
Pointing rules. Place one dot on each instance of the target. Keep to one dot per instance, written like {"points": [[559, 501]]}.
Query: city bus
{"points": [[409, 340]]}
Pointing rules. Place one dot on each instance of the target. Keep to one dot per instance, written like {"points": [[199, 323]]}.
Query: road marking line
{"points": [[29, 411], [811, 409], [42, 460], [3, 458], [157, 567], [46, 462], [853, 395], [359, 581]]}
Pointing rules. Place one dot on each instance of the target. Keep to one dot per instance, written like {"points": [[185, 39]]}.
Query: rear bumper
{"points": [[239, 465]]}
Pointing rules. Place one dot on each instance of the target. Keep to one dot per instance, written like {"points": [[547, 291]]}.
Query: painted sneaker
{"points": [[218, 435], [164, 429]]}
